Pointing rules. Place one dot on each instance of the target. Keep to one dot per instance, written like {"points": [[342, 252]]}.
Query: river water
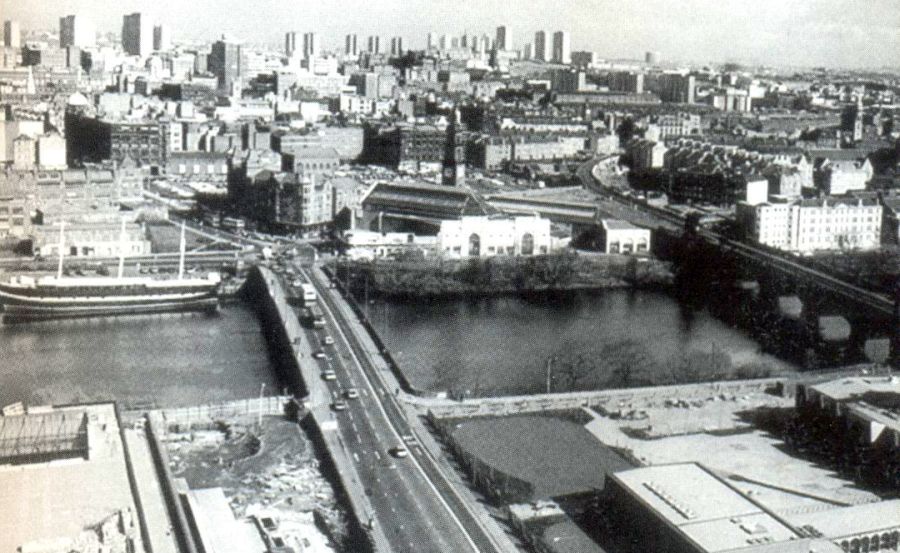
{"points": [[166, 360], [612, 337]]}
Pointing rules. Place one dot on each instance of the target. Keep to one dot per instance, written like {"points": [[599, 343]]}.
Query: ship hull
{"points": [[21, 305], [25, 313]]}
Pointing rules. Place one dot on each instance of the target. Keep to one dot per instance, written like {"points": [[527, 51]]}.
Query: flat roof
{"points": [[703, 507], [58, 500], [848, 521], [843, 389], [217, 528]]}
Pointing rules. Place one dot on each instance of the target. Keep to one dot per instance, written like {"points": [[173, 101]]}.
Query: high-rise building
{"points": [[351, 47], [485, 44], [562, 47], [397, 46], [431, 42], [504, 38], [290, 43], [137, 35], [312, 45], [527, 52], [675, 87], [651, 58], [444, 42], [540, 46], [76, 31], [225, 63], [162, 38], [374, 44], [12, 34]]}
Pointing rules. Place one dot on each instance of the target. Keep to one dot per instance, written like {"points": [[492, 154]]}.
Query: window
{"points": [[527, 244], [474, 244]]}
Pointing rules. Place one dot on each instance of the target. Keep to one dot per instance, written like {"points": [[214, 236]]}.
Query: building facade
{"points": [[811, 225], [137, 35], [492, 236]]}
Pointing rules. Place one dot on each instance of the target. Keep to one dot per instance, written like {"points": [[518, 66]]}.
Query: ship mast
{"points": [[181, 255], [122, 238], [62, 243]]}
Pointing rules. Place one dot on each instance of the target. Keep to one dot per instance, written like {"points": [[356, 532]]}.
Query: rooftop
{"points": [[57, 498], [850, 521], [719, 519]]}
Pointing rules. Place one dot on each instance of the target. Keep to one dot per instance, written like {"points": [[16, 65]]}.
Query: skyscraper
{"points": [[12, 35], [540, 46], [351, 47], [527, 52], [312, 45], [225, 63], [430, 45], [445, 42], [397, 46], [77, 31], [137, 35], [290, 43], [562, 47], [162, 39], [374, 44], [504, 38]]}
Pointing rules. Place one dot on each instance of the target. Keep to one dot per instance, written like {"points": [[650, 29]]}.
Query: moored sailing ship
{"points": [[26, 299]]}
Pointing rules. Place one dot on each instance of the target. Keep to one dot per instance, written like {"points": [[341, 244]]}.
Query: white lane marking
{"points": [[390, 424]]}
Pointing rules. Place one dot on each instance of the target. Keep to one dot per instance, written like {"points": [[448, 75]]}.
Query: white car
{"points": [[329, 341], [329, 375], [351, 393]]}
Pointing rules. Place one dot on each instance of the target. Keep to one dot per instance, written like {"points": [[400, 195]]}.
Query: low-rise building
{"points": [[311, 161], [618, 236], [94, 239], [688, 508], [211, 166], [367, 244], [839, 177], [498, 235]]}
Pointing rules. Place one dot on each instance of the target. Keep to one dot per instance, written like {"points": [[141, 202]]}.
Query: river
{"points": [[611, 337], [164, 360]]}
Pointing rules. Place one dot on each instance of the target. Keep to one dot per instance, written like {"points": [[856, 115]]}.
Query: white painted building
{"points": [[366, 244], [840, 177], [623, 237], [489, 236], [811, 225]]}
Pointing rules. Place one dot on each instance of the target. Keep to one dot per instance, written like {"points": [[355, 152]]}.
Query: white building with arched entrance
{"points": [[487, 236]]}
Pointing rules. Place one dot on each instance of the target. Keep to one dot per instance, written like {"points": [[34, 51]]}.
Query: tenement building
{"points": [[813, 224]]}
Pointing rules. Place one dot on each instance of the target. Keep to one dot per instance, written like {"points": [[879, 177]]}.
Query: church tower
{"points": [[454, 165]]}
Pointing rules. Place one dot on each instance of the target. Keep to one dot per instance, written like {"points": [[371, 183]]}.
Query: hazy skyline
{"points": [[780, 32]]}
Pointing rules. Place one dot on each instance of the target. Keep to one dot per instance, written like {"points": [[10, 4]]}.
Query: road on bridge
{"points": [[409, 496]]}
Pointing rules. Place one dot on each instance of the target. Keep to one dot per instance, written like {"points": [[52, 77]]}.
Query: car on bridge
{"points": [[399, 452], [320, 355], [339, 405], [329, 375], [351, 393]]}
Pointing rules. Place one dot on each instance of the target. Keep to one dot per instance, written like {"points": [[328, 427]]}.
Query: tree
{"points": [[626, 130]]}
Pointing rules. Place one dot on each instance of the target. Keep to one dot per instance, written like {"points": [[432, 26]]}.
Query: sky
{"points": [[831, 33]]}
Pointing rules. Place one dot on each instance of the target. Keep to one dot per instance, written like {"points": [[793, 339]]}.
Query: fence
{"points": [[185, 418]]}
